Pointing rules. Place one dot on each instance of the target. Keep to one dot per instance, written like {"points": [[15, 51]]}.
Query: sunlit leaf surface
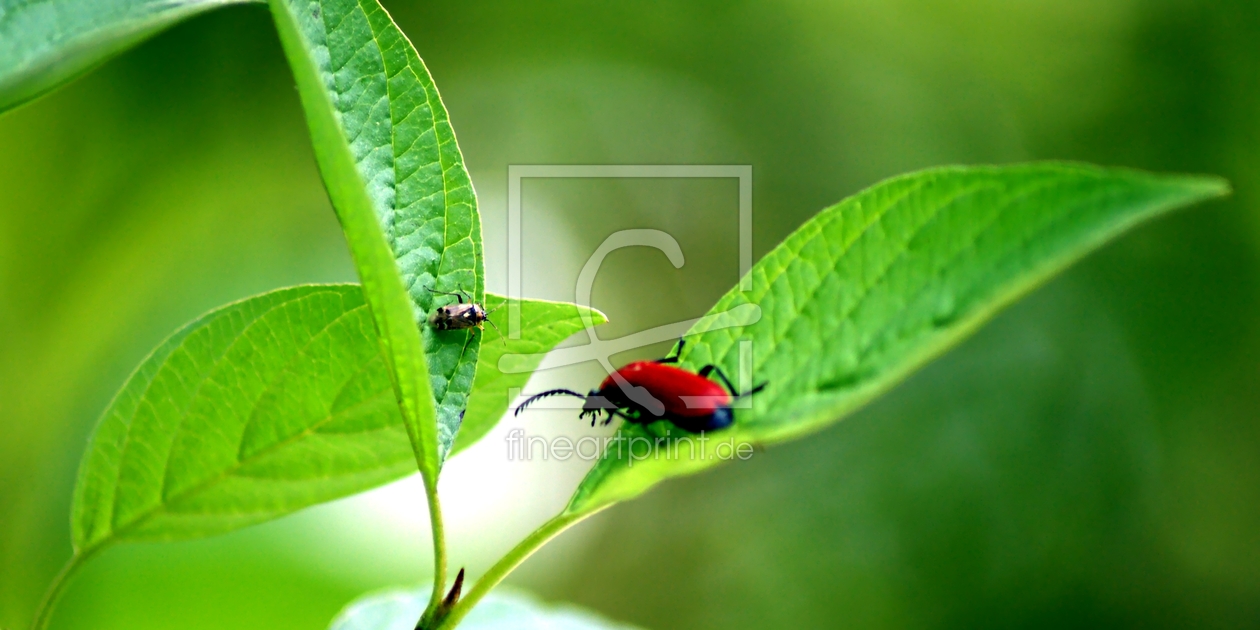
{"points": [[253, 411], [263, 407], [397, 180], [872, 288]]}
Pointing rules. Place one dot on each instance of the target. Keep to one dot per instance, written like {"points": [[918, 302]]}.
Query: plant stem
{"points": [[507, 563], [439, 550], [43, 614]]}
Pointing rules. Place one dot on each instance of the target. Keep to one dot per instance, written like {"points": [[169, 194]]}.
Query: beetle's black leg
{"points": [[594, 413], [465, 295], [457, 295], [608, 416], [709, 369], [617, 412], [753, 390], [674, 359]]}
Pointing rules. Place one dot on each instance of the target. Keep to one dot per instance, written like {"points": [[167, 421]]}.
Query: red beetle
{"points": [[644, 392]]}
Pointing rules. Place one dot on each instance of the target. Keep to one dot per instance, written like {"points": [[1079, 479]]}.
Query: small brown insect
{"points": [[461, 315]]}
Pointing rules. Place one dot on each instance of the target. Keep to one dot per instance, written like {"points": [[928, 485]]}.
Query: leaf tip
{"points": [[597, 316], [1195, 188], [1214, 186]]}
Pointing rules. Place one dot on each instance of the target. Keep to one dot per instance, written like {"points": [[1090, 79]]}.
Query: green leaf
{"points": [[44, 43], [264, 407], [385, 147], [504, 609], [253, 411], [877, 285], [543, 326], [397, 180]]}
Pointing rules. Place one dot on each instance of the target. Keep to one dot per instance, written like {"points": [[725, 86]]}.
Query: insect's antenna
{"points": [[552, 392], [496, 328]]}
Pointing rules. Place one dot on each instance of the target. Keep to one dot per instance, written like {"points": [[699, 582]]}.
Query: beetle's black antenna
{"points": [[713, 369], [552, 392], [496, 328]]}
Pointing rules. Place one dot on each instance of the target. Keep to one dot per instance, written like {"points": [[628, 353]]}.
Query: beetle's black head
{"points": [[596, 402], [722, 417]]}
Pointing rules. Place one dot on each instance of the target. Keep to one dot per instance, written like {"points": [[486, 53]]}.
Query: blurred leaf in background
{"points": [[168, 183], [1087, 460]]}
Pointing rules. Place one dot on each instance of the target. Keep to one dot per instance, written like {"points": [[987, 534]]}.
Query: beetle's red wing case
{"points": [[684, 393]]}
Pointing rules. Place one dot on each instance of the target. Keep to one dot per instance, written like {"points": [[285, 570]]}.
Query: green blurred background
{"points": [[1090, 459]]}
